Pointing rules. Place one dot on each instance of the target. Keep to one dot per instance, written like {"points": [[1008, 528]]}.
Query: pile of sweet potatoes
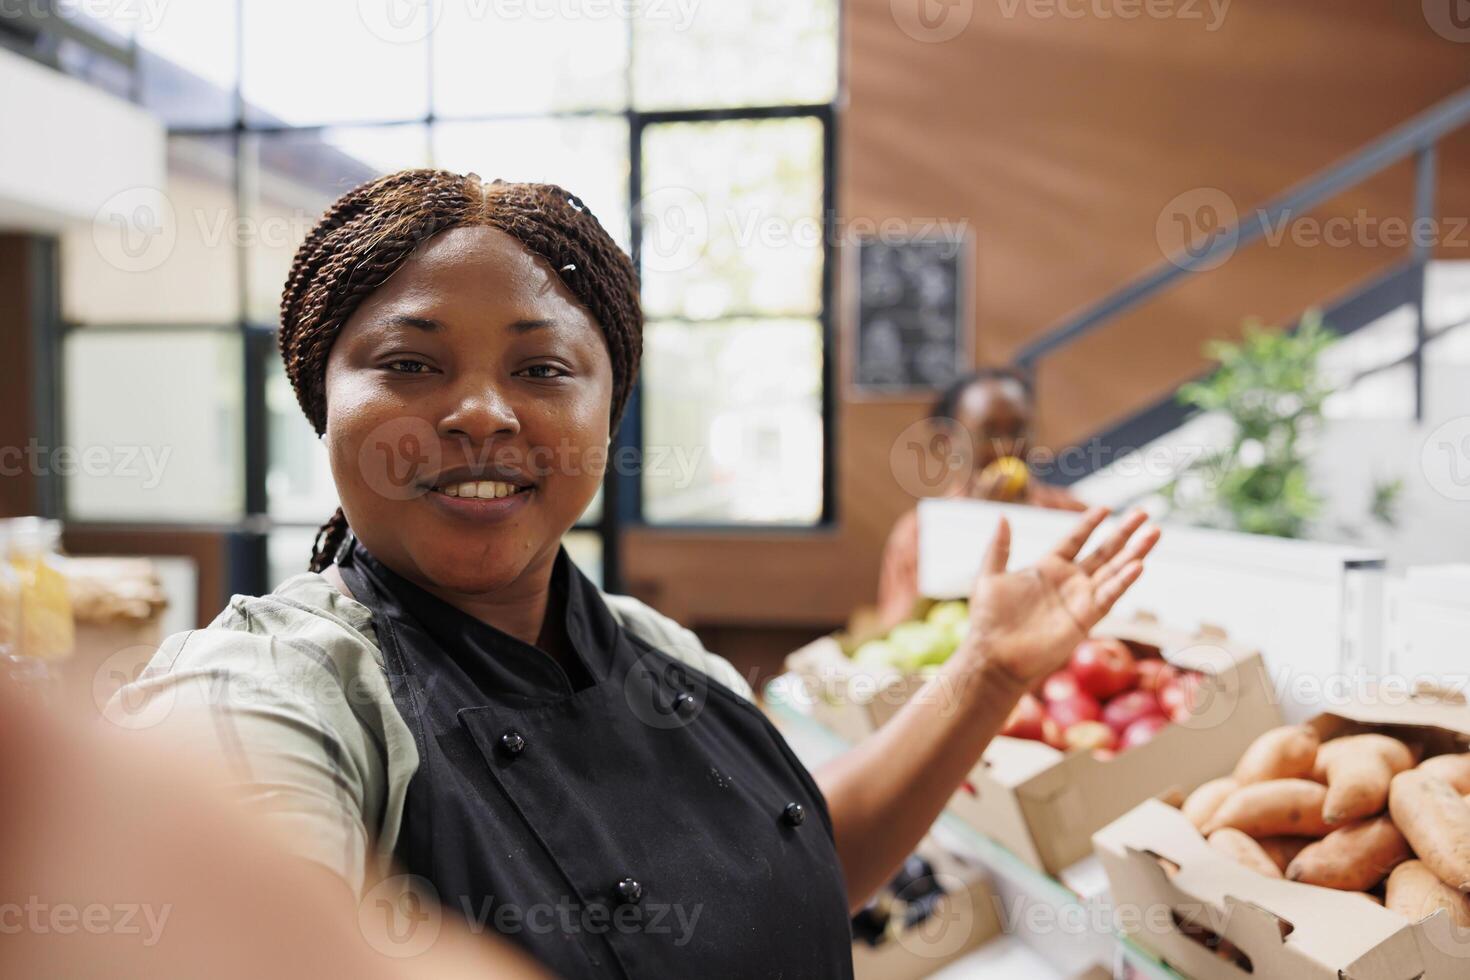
{"points": [[1360, 813]]}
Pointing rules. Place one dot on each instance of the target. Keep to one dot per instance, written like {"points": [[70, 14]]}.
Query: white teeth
{"points": [[482, 489]]}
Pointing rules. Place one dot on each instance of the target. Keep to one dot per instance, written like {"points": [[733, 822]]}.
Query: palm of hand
{"points": [[1028, 621]]}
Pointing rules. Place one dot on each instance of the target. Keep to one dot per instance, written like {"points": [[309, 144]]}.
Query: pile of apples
{"points": [[1105, 700]]}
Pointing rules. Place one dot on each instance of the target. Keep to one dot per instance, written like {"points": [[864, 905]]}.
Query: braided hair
{"points": [[371, 230]]}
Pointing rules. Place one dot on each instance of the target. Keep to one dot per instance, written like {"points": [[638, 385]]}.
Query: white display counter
{"points": [[1314, 610]]}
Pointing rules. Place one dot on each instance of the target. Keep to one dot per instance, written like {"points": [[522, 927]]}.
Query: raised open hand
{"points": [[1028, 621]]}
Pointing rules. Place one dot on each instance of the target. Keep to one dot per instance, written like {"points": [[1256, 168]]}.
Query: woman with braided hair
{"points": [[443, 693]]}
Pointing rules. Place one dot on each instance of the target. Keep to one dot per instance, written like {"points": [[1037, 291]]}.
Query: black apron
{"points": [[624, 816]]}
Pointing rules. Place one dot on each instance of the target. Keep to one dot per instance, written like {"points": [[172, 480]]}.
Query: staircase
{"points": [[1402, 368]]}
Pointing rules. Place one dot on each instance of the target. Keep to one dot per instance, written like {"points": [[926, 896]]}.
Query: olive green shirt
{"points": [[288, 692]]}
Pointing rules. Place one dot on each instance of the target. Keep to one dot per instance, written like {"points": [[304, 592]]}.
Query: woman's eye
{"points": [[545, 371], [407, 366]]}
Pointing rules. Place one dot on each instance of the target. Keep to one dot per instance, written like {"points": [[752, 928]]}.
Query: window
{"points": [[700, 135]]}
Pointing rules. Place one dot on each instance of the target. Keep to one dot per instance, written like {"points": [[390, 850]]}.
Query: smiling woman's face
{"points": [[468, 410]]}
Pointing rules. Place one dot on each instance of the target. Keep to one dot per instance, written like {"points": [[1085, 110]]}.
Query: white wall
{"points": [[68, 148]]}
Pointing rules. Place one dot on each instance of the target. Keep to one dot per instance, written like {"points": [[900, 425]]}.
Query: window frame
{"points": [[622, 506]]}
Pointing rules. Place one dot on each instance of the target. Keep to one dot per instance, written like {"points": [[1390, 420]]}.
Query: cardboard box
{"points": [[845, 697], [1044, 805], [1280, 928], [965, 918]]}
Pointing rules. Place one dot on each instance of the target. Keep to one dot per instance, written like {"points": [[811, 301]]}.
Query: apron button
{"points": [[684, 703], [513, 742], [630, 892], [794, 814]]}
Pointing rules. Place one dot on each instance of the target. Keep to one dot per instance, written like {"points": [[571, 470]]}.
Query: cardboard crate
{"points": [[965, 918], [1044, 805], [1284, 929]]}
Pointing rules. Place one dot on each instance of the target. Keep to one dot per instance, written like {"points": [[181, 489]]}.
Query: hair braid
{"points": [[368, 233]]}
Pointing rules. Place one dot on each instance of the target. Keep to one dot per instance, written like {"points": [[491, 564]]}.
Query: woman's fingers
{"points": [[999, 551], [1137, 550], [1109, 592], [1068, 547], [1114, 543]]}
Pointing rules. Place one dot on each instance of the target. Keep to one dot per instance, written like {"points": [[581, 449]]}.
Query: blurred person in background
{"points": [[444, 692], [982, 429]]}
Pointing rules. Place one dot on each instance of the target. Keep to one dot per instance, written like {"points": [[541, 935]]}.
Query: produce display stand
{"points": [[1426, 621], [1018, 886], [1314, 609]]}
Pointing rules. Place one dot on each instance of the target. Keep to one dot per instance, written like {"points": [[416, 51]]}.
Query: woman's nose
{"points": [[480, 414]]}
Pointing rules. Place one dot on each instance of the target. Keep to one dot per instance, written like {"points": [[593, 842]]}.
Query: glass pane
{"points": [[161, 256], [155, 423], [732, 422], [298, 479], [334, 61], [288, 552], [188, 64], [486, 56], [732, 218], [585, 547], [587, 156], [758, 52], [290, 179]]}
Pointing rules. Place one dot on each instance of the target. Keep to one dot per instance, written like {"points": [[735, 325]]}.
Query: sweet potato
{"points": [[1282, 850], [1276, 808], [1357, 770], [1352, 858], [1453, 768], [1205, 800], [1435, 820], [1287, 752], [1415, 892], [1242, 848]]}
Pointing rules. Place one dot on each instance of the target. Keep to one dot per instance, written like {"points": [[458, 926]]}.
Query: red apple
{"points": [[1069, 711], [1177, 697], [1103, 667], [1090, 735], [1059, 686], [1128, 707], [1051, 733], [1153, 673], [1025, 719], [1141, 731], [1103, 755]]}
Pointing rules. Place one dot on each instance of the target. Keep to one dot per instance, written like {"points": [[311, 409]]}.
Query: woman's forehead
{"points": [[481, 270]]}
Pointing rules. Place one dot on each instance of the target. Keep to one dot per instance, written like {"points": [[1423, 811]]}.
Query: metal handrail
{"points": [[45, 18], [1417, 137]]}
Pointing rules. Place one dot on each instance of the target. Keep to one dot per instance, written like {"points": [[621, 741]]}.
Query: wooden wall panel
{"points": [[1061, 141]]}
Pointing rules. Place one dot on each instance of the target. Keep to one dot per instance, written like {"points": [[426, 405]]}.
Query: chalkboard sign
{"points": [[912, 315]]}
